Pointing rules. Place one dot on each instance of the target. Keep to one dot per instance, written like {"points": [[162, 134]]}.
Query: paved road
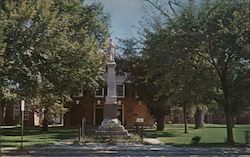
{"points": [[130, 150]]}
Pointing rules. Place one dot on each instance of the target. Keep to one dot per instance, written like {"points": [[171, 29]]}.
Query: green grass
{"points": [[10, 137], [212, 134]]}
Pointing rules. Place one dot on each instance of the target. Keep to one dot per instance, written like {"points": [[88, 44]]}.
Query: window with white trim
{"points": [[26, 114], [120, 90], [16, 111], [99, 92]]}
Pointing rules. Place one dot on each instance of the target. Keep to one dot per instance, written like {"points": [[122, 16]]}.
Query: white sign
{"points": [[139, 120], [77, 102], [22, 105]]}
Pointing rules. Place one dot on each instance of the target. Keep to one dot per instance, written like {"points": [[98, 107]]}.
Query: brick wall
{"points": [[132, 109], [12, 118]]}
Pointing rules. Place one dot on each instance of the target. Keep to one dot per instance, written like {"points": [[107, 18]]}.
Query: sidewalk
{"points": [[152, 141], [105, 149]]}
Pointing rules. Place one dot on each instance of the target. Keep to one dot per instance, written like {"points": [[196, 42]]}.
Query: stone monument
{"points": [[111, 123]]}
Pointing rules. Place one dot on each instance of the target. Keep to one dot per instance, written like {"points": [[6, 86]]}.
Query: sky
{"points": [[125, 16]]}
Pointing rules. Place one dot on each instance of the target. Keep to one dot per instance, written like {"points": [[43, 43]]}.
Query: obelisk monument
{"points": [[111, 122]]}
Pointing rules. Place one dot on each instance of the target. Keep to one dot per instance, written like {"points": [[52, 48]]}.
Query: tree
{"points": [[1, 73], [166, 68], [133, 62], [53, 50], [7, 93], [170, 68], [225, 46], [215, 35], [199, 116]]}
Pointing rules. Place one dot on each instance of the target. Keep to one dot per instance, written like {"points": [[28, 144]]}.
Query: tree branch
{"points": [[158, 8]]}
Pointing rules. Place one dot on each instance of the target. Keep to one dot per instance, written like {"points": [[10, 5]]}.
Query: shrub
{"points": [[196, 139]]}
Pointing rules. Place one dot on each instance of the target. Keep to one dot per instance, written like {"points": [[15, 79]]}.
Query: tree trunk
{"points": [[199, 118], [2, 114], [185, 118], [45, 121], [227, 109], [160, 122], [229, 122], [233, 121]]}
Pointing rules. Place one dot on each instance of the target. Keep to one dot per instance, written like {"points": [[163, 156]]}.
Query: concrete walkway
{"points": [[152, 141], [104, 149]]}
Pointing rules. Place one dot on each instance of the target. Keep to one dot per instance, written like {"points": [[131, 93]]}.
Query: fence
{"points": [[247, 137], [82, 130]]}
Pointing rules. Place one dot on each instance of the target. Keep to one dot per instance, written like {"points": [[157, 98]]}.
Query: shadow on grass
{"points": [[8, 141], [207, 145], [214, 127], [39, 145], [35, 137], [36, 131], [26, 146], [65, 136], [156, 134], [17, 131]]}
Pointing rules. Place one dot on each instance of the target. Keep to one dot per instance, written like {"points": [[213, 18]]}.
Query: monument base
{"points": [[112, 131], [112, 125]]}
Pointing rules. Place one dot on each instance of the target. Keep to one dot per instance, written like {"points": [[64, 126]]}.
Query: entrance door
{"points": [[98, 116], [120, 115]]}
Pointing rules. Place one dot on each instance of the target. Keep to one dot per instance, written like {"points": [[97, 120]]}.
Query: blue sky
{"points": [[125, 15]]}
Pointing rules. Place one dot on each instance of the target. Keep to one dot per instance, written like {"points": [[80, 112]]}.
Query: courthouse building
{"points": [[90, 106]]}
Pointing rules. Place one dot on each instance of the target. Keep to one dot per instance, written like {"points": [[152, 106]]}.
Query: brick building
{"points": [[130, 108], [90, 106], [13, 116]]}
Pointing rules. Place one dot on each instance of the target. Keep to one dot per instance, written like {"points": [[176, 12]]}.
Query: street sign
{"points": [[22, 111], [22, 105]]}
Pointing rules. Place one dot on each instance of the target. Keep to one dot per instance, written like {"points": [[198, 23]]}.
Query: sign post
{"points": [[83, 128], [0, 141], [139, 127], [22, 112]]}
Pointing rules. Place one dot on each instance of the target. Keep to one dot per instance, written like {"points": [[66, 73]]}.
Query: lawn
{"points": [[10, 137], [212, 134], [174, 134]]}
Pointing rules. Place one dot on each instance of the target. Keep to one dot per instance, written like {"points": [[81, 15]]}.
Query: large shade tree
{"points": [[52, 50], [164, 68], [7, 94], [134, 62], [212, 36], [224, 26]]}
